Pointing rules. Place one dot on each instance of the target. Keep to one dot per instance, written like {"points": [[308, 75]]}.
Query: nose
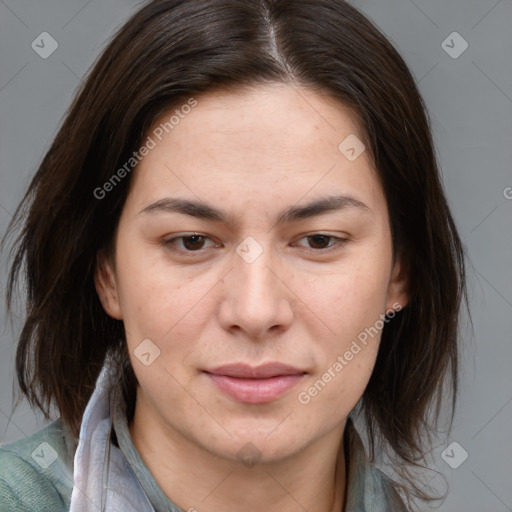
{"points": [[256, 299]]}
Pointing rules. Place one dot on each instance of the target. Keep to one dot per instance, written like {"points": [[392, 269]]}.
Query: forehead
{"points": [[279, 141], [296, 117]]}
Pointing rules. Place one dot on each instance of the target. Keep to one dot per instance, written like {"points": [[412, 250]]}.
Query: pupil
{"points": [[196, 240], [315, 238]]}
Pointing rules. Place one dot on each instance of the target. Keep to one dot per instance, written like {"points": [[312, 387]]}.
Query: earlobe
{"points": [[106, 287]]}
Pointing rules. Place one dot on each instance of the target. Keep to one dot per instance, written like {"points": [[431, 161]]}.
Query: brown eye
{"points": [[194, 242], [186, 243], [321, 242]]}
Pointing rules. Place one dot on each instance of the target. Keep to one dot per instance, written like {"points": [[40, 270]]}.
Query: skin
{"points": [[253, 154]]}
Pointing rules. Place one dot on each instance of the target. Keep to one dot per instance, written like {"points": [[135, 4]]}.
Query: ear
{"points": [[106, 286], [398, 290]]}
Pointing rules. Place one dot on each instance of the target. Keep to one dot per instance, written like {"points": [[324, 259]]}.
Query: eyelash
{"points": [[170, 242]]}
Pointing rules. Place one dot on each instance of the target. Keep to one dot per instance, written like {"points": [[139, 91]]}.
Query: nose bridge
{"points": [[252, 272], [256, 298]]}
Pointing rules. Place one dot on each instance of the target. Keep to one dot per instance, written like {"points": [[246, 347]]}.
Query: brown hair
{"points": [[169, 51]]}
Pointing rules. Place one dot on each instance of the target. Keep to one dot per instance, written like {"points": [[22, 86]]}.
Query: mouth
{"points": [[255, 385]]}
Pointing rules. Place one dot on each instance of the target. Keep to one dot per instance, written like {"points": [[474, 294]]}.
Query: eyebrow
{"points": [[202, 210]]}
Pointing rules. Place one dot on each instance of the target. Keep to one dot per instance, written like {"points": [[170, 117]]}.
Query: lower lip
{"points": [[255, 391]]}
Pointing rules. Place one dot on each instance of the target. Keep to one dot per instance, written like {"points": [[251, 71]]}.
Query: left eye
{"points": [[191, 243], [321, 241]]}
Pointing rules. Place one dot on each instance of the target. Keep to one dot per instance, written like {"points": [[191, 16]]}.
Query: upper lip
{"points": [[264, 371]]}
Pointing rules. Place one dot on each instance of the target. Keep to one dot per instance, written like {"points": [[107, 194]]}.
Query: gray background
{"points": [[470, 102]]}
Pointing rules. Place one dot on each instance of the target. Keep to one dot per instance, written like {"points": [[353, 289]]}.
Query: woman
{"points": [[237, 245]]}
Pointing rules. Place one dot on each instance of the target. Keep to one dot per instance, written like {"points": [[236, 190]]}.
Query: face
{"points": [[252, 315]]}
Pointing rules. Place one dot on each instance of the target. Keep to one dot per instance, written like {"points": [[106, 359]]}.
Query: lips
{"points": [[243, 371], [255, 385]]}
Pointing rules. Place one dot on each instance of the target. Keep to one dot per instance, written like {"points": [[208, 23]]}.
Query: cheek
{"points": [[332, 393], [353, 299], [154, 297], [345, 365], [351, 303]]}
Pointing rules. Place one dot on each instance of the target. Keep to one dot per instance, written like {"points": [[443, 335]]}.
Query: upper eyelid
{"points": [[339, 239], [173, 238], [198, 233], [313, 233]]}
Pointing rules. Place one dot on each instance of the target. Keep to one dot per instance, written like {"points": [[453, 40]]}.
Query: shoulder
{"points": [[36, 472]]}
